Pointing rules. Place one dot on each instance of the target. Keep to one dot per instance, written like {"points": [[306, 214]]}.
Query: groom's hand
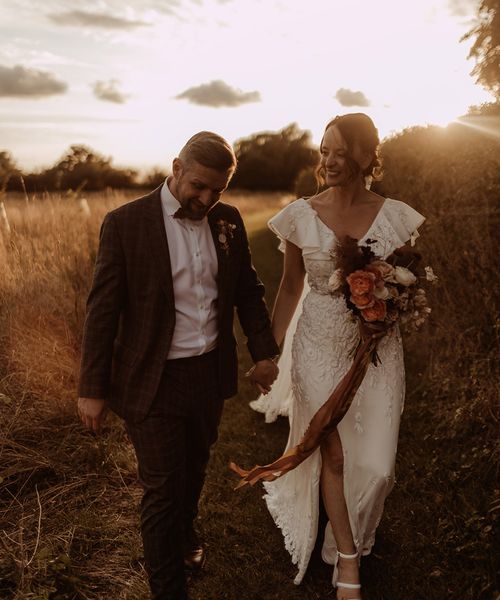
{"points": [[263, 375], [92, 412]]}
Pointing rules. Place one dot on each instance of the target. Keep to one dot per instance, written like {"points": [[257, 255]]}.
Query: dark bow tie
{"points": [[180, 214]]}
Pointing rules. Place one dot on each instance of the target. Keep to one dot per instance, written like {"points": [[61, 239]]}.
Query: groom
{"points": [[158, 346]]}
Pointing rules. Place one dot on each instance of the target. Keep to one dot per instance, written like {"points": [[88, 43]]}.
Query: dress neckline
{"points": [[373, 223]]}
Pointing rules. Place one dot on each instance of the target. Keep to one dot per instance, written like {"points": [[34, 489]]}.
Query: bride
{"points": [[354, 469]]}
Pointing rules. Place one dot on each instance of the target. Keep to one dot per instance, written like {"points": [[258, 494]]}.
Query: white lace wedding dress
{"points": [[315, 357]]}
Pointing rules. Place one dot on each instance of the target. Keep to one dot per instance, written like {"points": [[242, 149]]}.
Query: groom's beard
{"points": [[195, 210]]}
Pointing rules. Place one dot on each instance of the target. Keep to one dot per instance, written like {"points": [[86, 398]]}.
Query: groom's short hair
{"points": [[210, 150]]}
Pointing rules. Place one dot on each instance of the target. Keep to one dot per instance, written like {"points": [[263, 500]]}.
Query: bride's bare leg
{"points": [[332, 490]]}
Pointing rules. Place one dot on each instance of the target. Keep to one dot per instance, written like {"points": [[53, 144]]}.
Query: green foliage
{"points": [[80, 168], [307, 183], [452, 176], [487, 109], [273, 160], [486, 47], [7, 169], [266, 161], [153, 178]]}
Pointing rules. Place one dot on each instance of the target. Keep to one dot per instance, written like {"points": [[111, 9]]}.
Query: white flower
{"points": [[404, 276], [222, 238], [381, 293], [430, 275], [335, 280]]}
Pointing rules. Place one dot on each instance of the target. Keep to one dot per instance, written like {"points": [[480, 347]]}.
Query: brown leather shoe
{"points": [[195, 558], [194, 553]]}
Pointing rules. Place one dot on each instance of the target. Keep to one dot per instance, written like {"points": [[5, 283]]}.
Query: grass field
{"points": [[69, 499]]}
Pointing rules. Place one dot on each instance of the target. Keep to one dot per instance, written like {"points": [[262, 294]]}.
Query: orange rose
{"points": [[361, 282], [376, 312], [362, 301]]}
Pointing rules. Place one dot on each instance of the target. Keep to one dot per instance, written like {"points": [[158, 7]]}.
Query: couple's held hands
{"points": [[92, 412], [263, 374]]}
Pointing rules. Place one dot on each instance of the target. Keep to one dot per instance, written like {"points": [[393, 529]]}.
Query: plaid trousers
{"points": [[172, 446]]}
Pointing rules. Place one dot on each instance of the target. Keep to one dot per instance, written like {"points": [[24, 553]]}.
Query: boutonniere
{"points": [[226, 233]]}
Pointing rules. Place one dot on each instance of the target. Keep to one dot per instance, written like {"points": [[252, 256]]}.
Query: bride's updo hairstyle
{"points": [[358, 130]]}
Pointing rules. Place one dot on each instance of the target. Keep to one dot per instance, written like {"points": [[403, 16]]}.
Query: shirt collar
{"points": [[169, 202]]}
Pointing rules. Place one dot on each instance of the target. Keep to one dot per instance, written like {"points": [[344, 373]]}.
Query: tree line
{"points": [[266, 161], [285, 160]]}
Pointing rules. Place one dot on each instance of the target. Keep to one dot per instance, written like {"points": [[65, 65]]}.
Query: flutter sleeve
{"points": [[296, 223], [284, 226], [405, 221]]}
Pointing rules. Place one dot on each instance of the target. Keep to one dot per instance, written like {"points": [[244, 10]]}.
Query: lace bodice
{"points": [[319, 272]]}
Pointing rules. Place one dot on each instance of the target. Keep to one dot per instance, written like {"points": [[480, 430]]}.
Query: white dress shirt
{"points": [[194, 270]]}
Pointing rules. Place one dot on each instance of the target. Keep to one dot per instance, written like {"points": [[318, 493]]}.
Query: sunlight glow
{"points": [[487, 125], [404, 57]]}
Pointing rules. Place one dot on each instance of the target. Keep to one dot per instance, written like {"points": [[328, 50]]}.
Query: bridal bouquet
{"points": [[380, 293]]}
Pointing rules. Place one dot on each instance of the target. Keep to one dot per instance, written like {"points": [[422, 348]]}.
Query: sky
{"points": [[134, 79]]}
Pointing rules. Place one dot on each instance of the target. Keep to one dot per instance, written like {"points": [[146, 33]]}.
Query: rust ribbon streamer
{"points": [[326, 418]]}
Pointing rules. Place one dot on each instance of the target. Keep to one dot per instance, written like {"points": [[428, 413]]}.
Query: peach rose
{"points": [[381, 269], [377, 312], [361, 282], [362, 301]]}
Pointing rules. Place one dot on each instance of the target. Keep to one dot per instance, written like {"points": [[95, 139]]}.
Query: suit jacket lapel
{"points": [[159, 244]]}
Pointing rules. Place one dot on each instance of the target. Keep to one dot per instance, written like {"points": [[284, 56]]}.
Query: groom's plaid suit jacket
{"points": [[130, 310]]}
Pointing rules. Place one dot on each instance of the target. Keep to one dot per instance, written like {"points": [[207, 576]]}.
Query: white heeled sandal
{"points": [[340, 584]]}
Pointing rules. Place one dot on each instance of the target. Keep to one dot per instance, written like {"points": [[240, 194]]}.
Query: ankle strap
{"points": [[342, 555], [349, 586]]}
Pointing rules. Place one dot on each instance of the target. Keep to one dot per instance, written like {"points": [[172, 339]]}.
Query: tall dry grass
{"points": [[46, 264]]}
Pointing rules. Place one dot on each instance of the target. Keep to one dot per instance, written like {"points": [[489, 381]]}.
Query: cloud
{"points": [[167, 7], [347, 97], [92, 19], [109, 92], [21, 82], [216, 94]]}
